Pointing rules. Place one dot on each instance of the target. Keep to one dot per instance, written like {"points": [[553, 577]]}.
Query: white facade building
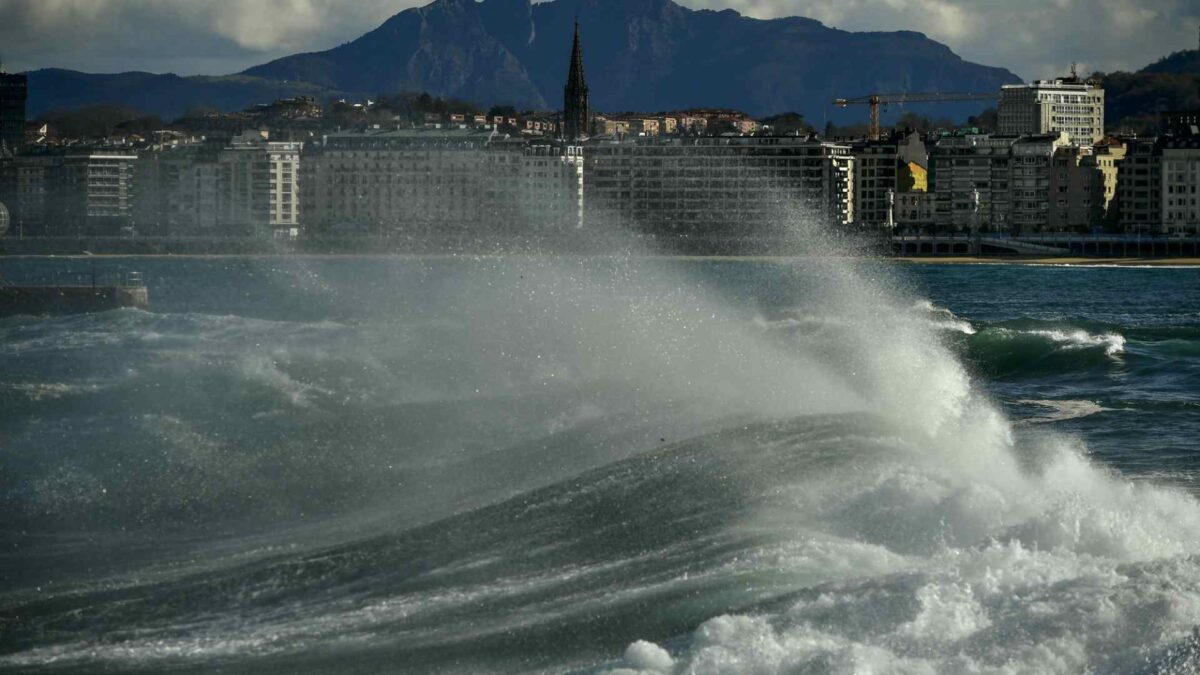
{"points": [[259, 185], [1067, 105], [433, 181]]}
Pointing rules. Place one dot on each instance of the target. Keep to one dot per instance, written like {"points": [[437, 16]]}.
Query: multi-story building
{"points": [[427, 181], [90, 193], [604, 126], [1109, 153], [1139, 186], [1180, 187], [1069, 105], [1029, 181], [969, 176], [1076, 190], [24, 181], [13, 91], [179, 192], [1180, 123], [878, 167], [735, 185], [914, 211], [532, 187], [412, 181], [259, 186]]}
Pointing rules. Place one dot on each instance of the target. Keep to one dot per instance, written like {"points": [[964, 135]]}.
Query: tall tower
{"points": [[576, 117], [13, 91]]}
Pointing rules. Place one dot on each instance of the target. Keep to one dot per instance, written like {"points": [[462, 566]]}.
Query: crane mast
{"points": [[877, 100]]}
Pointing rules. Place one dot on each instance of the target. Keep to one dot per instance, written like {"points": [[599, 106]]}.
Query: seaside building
{"points": [[884, 168], [259, 186], [1076, 190], [1180, 187], [1069, 105], [24, 180], [14, 89], [1109, 154], [234, 186], [381, 183], [734, 185], [914, 211], [89, 193], [1139, 186], [418, 182], [969, 177], [179, 192], [1029, 182]]}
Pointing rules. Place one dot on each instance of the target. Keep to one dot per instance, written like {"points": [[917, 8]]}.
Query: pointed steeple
{"points": [[576, 117]]}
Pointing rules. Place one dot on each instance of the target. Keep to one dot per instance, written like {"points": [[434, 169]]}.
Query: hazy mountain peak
{"points": [[640, 55]]}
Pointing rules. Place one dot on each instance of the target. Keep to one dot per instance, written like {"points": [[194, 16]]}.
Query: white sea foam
{"points": [[1065, 571], [1062, 410], [1113, 343]]}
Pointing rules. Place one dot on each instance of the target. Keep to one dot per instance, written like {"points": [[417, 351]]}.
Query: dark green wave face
{"points": [[515, 465]]}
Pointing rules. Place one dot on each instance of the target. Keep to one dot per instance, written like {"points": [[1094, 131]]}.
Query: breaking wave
{"points": [[575, 465]]}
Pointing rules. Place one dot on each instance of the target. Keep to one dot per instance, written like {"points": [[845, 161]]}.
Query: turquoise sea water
{"points": [[593, 464]]}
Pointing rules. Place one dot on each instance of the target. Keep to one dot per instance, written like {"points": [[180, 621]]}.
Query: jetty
{"points": [[76, 295]]}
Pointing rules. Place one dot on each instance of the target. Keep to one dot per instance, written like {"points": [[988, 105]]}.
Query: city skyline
{"points": [[222, 36]]}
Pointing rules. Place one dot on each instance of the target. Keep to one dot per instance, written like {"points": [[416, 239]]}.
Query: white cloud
{"points": [[1033, 38], [186, 36]]}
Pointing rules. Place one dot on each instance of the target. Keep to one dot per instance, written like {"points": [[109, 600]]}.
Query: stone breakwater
{"points": [[53, 300]]}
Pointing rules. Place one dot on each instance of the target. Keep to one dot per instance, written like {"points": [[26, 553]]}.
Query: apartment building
{"points": [[882, 169], [1076, 190], [969, 177], [1139, 186], [90, 193], [259, 186], [1180, 185], [736, 185], [1065, 105], [430, 181]]}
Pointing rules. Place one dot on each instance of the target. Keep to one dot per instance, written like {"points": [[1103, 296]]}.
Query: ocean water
{"points": [[604, 465]]}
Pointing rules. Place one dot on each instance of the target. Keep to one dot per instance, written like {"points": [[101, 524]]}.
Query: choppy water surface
{"points": [[512, 465]]}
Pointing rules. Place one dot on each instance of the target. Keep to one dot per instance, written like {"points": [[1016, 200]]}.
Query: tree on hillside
{"points": [[787, 123], [502, 111], [1133, 101], [97, 121], [987, 121]]}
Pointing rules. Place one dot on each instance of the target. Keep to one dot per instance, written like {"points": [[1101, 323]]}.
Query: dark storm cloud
{"points": [[1030, 37]]}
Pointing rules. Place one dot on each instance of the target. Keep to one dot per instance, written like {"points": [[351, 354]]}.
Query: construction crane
{"points": [[876, 100]]}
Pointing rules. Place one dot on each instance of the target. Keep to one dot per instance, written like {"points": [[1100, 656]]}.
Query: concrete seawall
{"points": [[51, 300]]}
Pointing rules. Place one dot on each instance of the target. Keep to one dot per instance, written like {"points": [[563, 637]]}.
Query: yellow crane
{"points": [[876, 100]]}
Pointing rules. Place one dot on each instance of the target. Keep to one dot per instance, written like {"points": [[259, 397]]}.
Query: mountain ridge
{"points": [[641, 55]]}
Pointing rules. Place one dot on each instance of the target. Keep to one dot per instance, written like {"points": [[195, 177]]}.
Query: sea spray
{"points": [[524, 464]]}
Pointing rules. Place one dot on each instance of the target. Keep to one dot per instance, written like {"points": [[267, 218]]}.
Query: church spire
{"points": [[576, 116]]}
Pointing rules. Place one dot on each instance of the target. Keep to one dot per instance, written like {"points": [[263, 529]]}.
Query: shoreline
{"points": [[1051, 261]]}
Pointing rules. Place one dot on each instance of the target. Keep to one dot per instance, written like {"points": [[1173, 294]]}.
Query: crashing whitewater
{"points": [[575, 465]]}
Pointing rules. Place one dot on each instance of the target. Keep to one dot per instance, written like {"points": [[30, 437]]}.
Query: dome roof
{"points": [[5, 219]]}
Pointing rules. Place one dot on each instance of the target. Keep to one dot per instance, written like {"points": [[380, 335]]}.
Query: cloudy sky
{"points": [[1033, 38]]}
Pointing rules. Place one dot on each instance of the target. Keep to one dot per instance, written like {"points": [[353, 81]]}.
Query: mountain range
{"points": [[644, 55]]}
